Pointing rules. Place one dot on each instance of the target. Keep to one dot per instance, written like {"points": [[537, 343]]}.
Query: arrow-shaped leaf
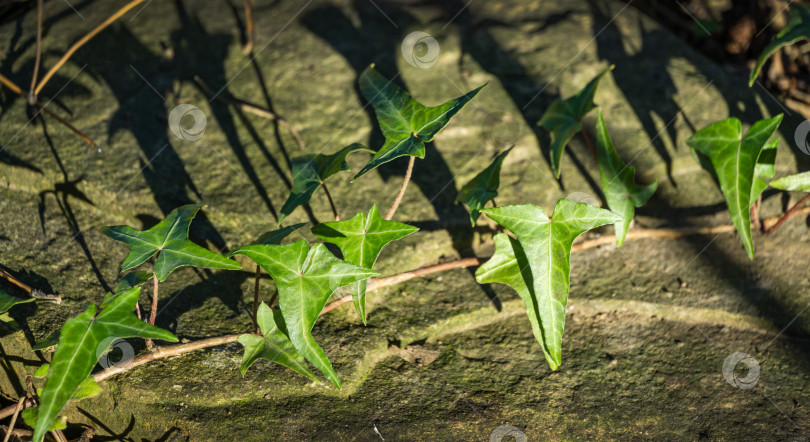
{"points": [[618, 182], [275, 236], [799, 182], [83, 339], [361, 239], [170, 238], [564, 118], [483, 188], [273, 344], [797, 29], [405, 123], [305, 279], [539, 268], [310, 171], [734, 159]]}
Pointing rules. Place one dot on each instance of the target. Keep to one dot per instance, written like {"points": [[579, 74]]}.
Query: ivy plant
{"points": [[82, 341], [306, 278], [6, 303], [733, 158], [483, 188], [537, 265], [563, 119], [361, 239], [622, 193], [406, 124]]}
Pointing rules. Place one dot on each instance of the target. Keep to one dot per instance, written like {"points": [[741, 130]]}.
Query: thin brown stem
{"points": [[331, 201], [793, 211], [253, 109], [32, 97], [75, 47], [250, 37], [590, 145], [8, 411], [756, 224], [256, 285], [17, 409], [401, 193], [7, 276], [273, 299], [153, 313]]}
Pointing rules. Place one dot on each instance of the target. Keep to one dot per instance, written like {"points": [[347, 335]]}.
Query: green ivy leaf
{"points": [[797, 29], [564, 118], [273, 344], [734, 158], [308, 172], [406, 124], [483, 188], [46, 343], [305, 278], [83, 339], [539, 268], [764, 170], [131, 280], [7, 301], [170, 238], [361, 239], [275, 236], [618, 183], [799, 182]]}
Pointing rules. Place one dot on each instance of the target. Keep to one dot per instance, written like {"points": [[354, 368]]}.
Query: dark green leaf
{"points": [[483, 188], [618, 182], [564, 118], [131, 280], [83, 339], [275, 236], [48, 342], [273, 345], [537, 266], [308, 172], [797, 29], [405, 123], [361, 239], [170, 238], [734, 158], [7, 301], [305, 279], [798, 182]]}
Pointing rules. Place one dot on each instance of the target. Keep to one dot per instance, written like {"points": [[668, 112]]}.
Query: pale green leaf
{"points": [[797, 29], [483, 188], [734, 157], [564, 118], [406, 124], [618, 182], [308, 172], [305, 278], [361, 239], [31, 416], [539, 268], [798, 182], [170, 238], [83, 339], [273, 344]]}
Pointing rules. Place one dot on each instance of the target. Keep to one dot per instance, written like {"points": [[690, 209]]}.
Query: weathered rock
{"points": [[642, 352]]}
